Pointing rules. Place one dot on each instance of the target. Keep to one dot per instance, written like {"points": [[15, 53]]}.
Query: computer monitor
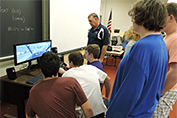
{"points": [[26, 52]]}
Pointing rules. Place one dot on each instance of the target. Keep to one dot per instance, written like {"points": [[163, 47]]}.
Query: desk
{"points": [[114, 53], [16, 91]]}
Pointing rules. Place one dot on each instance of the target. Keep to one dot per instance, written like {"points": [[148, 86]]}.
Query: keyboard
{"points": [[35, 79]]}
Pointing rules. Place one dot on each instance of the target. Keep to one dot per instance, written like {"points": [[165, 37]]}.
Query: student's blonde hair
{"points": [[132, 35]]}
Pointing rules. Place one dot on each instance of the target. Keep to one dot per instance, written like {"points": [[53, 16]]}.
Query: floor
{"points": [[9, 109], [109, 68]]}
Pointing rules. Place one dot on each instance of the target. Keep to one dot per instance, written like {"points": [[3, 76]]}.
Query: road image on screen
{"points": [[31, 51]]}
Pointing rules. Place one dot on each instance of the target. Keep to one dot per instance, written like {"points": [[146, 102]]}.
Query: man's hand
{"points": [[104, 97]]}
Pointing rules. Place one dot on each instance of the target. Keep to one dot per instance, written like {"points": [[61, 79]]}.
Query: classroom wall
{"points": [[118, 22], [120, 19], [69, 23], [120, 8]]}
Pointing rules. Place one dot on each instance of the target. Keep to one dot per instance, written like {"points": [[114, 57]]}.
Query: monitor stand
{"points": [[28, 69]]}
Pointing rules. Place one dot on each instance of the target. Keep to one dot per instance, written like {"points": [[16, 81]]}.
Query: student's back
{"points": [[97, 64], [55, 98], [88, 76]]}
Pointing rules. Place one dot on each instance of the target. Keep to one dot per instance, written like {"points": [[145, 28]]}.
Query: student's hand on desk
{"points": [[64, 66]]}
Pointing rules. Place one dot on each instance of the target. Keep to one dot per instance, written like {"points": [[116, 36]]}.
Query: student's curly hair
{"points": [[172, 9], [93, 49], [49, 63], [77, 58], [152, 14]]}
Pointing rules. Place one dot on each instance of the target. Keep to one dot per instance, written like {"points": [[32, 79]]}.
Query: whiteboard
{"points": [[69, 22]]}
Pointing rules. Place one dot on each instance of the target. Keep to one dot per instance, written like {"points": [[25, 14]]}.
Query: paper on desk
{"points": [[115, 52], [118, 48]]}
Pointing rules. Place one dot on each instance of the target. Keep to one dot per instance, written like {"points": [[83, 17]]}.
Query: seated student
{"points": [[89, 76], [55, 97], [91, 55]]}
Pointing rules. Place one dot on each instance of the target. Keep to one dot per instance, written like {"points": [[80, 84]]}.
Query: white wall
{"points": [[120, 18], [4, 64], [69, 22]]}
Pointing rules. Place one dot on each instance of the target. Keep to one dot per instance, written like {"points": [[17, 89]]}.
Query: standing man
{"points": [[141, 73], [98, 34], [169, 94]]}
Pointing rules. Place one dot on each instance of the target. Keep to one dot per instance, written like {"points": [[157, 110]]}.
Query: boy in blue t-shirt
{"points": [[141, 73]]}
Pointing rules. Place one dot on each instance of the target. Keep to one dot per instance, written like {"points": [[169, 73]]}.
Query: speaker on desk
{"points": [[11, 73]]}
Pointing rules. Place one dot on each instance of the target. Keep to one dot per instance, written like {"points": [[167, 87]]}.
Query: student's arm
{"points": [[87, 109], [28, 116], [132, 87], [103, 52], [171, 77], [105, 80], [61, 70], [107, 84]]}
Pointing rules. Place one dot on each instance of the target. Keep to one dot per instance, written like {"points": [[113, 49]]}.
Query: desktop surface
{"points": [[116, 50], [21, 78], [35, 79]]}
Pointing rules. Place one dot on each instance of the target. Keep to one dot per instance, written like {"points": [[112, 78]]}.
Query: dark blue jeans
{"points": [[106, 102], [98, 116]]}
